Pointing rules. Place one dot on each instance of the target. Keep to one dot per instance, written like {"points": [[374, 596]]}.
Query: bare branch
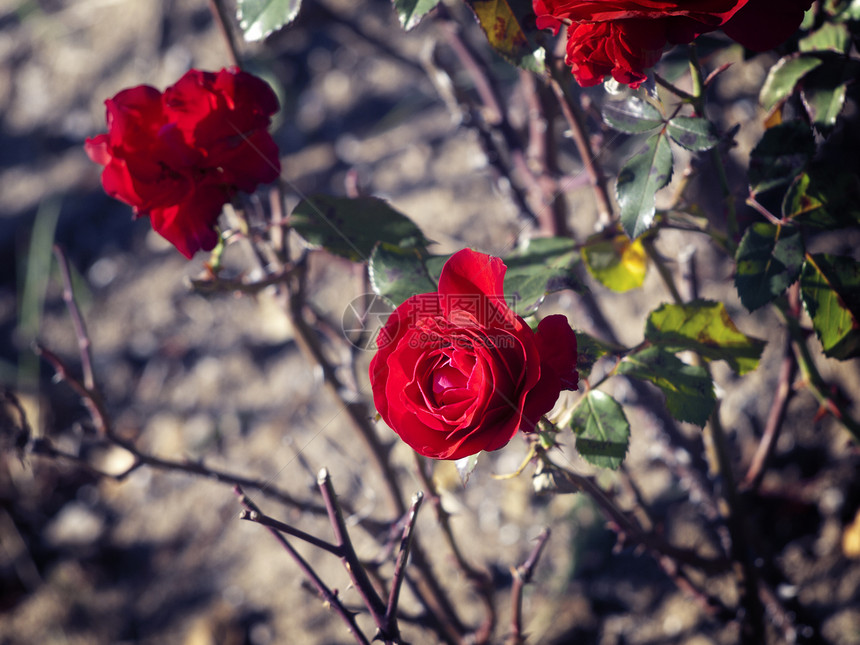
{"points": [[330, 597], [522, 576]]}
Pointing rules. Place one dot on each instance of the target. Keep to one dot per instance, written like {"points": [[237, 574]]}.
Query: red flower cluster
{"points": [[457, 371], [179, 156], [623, 38]]}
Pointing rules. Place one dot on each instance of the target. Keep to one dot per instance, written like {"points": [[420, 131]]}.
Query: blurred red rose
{"points": [[457, 371], [764, 24], [623, 38], [181, 155]]}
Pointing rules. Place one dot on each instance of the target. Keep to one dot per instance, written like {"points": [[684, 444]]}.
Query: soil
{"points": [[161, 557]]}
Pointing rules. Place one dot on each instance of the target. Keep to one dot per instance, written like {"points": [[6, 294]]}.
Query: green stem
{"points": [[662, 269]]}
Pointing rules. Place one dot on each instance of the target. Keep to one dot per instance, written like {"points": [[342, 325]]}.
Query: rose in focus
{"points": [[623, 38], [457, 371], [180, 155]]}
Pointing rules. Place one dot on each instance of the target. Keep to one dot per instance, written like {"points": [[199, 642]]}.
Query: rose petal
{"points": [[764, 24]]}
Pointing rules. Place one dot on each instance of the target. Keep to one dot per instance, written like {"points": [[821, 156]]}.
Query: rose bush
{"points": [[457, 371], [179, 156], [623, 38]]}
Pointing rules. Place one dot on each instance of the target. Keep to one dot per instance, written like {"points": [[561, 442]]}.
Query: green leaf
{"points": [[410, 12], [824, 197], [823, 94], [632, 115], [693, 133], [602, 430], [504, 23], [689, 389], [397, 273], [848, 10], [830, 289], [703, 326], [831, 36], [545, 265], [823, 104], [351, 227], [802, 204], [642, 176], [783, 77], [780, 155], [768, 261], [615, 261], [589, 350], [259, 18]]}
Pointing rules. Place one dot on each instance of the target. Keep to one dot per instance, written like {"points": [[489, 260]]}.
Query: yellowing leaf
{"points": [[706, 328], [617, 262], [503, 21]]}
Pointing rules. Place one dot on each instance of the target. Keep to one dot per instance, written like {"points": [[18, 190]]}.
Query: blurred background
{"points": [[162, 557]]}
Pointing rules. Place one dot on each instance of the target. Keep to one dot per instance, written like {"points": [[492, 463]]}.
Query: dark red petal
{"points": [[556, 343], [764, 24], [252, 161], [97, 149], [189, 226], [189, 101], [134, 114]]}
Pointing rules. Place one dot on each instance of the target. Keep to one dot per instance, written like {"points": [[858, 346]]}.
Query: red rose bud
{"points": [[457, 371], [623, 38], [181, 155]]}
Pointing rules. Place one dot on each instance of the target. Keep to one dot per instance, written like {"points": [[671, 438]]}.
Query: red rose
{"points": [[626, 37], [457, 371], [621, 48], [181, 155]]}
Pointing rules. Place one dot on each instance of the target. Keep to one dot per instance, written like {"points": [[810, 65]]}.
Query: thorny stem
{"points": [[86, 388], [662, 269], [84, 344], [752, 624], [572, 113], [400, 564], [812, 377], [775, 417], [330, 597], [221, 285], [265, 520], [480, 579], [351, 563], [764, 212], [92, 399], [497, 137], [717, 158], [357, 411], [522, 576], [681, 94], [541, 155], [45, 448], [630, 529], [432, 592], [221, 18]]}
